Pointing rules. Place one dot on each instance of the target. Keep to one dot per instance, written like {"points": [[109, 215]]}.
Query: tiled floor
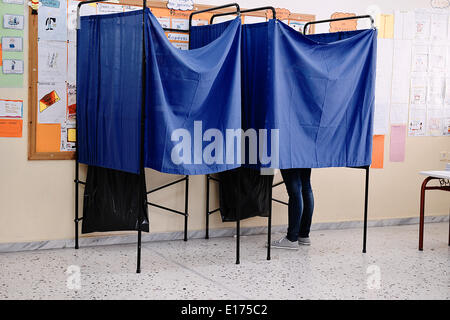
{"points": [[332, 268]]}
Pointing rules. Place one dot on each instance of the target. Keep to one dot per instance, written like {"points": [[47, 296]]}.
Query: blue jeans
{"points": [[301, 202]]}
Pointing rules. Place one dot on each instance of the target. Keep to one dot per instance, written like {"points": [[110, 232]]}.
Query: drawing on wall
{"points": [[13, 66], [48, 100], [12, 44], [13, 21], [343, 25], [52, 20]]}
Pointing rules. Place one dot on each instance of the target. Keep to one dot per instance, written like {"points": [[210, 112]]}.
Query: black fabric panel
{"points": [[113, 200], [255, 193]]}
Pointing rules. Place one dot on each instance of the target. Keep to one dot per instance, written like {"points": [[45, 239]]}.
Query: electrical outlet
{"points": [[443, 156]]}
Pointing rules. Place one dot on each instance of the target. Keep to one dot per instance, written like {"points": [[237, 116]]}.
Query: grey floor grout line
{"points": [[198, 273]]}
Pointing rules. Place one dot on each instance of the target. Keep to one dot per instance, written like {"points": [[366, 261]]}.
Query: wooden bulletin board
{"points": [[45, 140]]}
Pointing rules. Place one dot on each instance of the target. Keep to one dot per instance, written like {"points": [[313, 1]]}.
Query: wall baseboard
{"points": [[198, 234]]}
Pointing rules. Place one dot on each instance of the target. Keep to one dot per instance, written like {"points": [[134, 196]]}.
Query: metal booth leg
{"points": [[366, 200], [269, 227], [186, 207], [207, 207]]}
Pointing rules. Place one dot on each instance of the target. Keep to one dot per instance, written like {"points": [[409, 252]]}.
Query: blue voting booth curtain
{"points": [[109, 71], [317, 90], [193, 97]]}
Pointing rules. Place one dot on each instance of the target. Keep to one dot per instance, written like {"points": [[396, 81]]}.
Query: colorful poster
{"points": [[417, 121], [52, 57], [11, 108], [52, 20], [52, 103]]}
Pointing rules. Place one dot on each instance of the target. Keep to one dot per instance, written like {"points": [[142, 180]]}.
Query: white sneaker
{"points": [[304, 241], [284, 243]]}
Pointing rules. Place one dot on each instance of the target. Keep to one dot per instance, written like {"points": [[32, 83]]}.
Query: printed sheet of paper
{"points": [[51, 103], [107, 8], [401, 67], [418, 90], [67, 139], [439, 27], [422, 25], [52, 59], [71, 103], [420, 58], [417, 121], [437, 58], [11, 108], [447, 91], [446, 121], [52, 20], [71, 62], [436, 90], [399, 113], [435, 121], [404, 25]]}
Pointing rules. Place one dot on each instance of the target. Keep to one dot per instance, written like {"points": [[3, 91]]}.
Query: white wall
{"points": [[37, 197]]}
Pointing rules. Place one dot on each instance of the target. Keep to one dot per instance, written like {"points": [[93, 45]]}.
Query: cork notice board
{"points": [[52, 63]]}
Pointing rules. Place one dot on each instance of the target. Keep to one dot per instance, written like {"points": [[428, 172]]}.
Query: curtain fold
{"points": [[193, 98], [109, 90]]}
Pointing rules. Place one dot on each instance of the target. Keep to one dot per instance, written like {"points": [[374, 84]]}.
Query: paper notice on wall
{"points": [[107, 8], [164, 22], [52, 19], [181, 46], [11, 108], [127, 8], [180, 24], [71, 103], [436, 90], [446, 121], [438, 57], [404, 23], [417, 121], [383, 86], [439, 27], [447, 91], [86, 10], [72, 63], [418, 91], [399, 113], [52, 59], [422, 25], [435, 121], [200, 22], [420, 58], [68, 137], [296, 25], [381, 118], [401, 67], [397, 143], [51, 103], [183, 37]]}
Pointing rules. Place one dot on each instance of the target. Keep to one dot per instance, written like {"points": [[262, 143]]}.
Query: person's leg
{"points": [[308, 203], [293, 183]]}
